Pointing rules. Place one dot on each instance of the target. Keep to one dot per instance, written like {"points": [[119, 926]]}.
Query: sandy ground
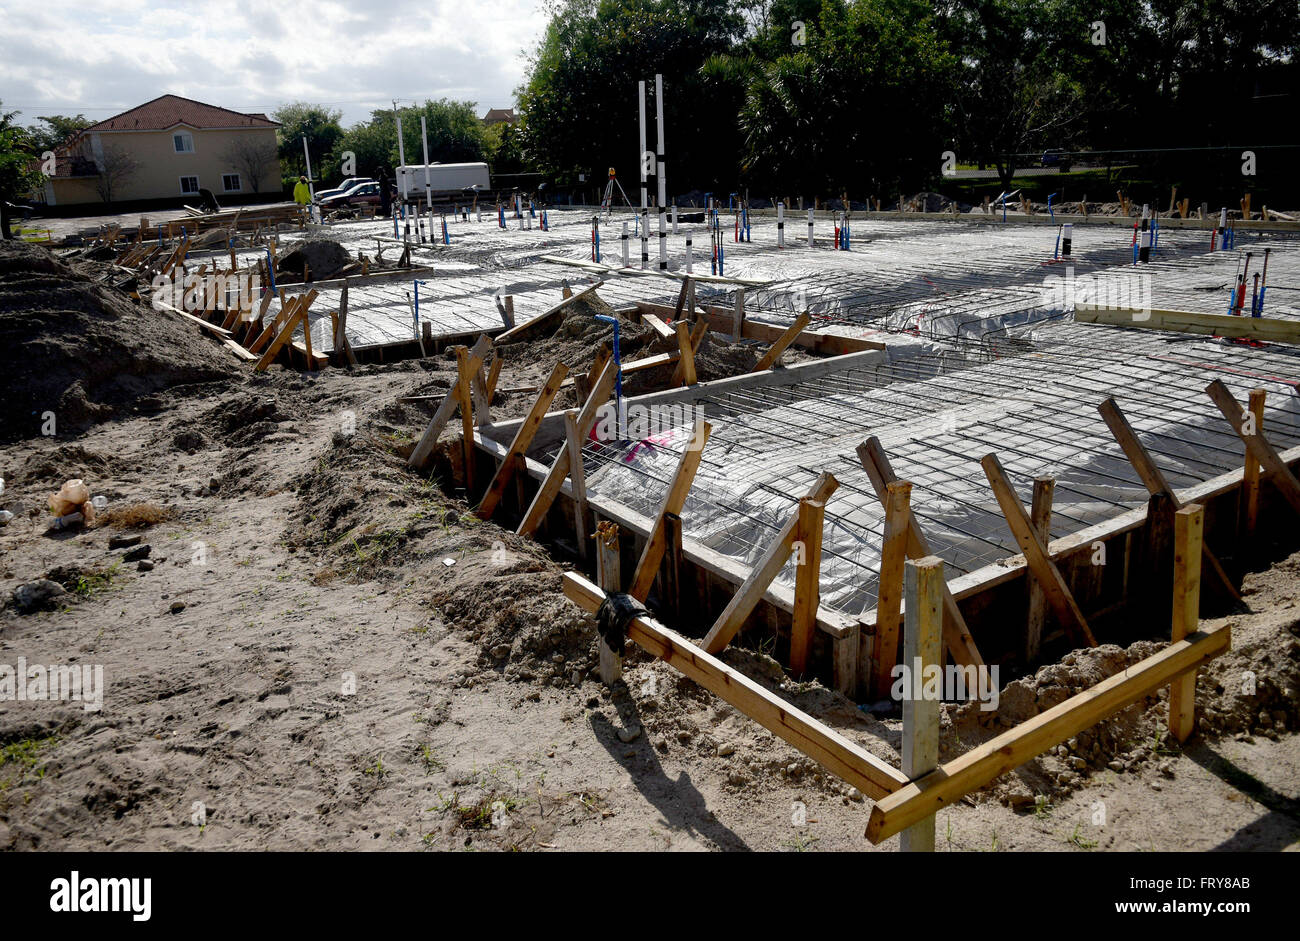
{"points": [[302, 669]]}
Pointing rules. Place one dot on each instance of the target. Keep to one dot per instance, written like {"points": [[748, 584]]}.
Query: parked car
{"points": [[347, 186], [367, 194], [1056, 158]]}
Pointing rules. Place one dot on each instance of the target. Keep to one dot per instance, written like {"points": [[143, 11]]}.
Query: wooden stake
{"points": [[1040, 515], [889, 600], [922, 650], [774, 352], [424, 447], [1256, 443], [1250, 473], [807, 582], [687, 361], [523, 438], [1189, 529], [560, 469], [1153, 479], [607, 573], [697, 337], [674, 501], [956, 635], [764, 570], [1040, 563]]}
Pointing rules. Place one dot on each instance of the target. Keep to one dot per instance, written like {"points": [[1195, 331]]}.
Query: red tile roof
{"points": [[168, 111]]}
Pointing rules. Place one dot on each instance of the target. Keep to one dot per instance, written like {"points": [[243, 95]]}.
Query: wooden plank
{"points": [[464, 380], [1189, 530], [764, 570], [1260, 448], [544, 319], [1154, 480], [424, 447], [494, 374], [1249, 500], [807, 582], [655, 323], [285, 335], [950, 782], [288, 311], [1040, 517], [674, 500], [697, 337], [922, 650], [1040, 563], [197, 321], [687, 361], [550, 487], [1184, 321], [956, 635], [681, 298], [522, 439], [774, 352], [889, 604], [873, 776]]}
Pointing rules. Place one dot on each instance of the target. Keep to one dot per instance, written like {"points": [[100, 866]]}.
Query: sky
{"points": [[101, 58]]}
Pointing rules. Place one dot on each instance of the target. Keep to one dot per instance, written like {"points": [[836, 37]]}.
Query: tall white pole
{"points": [[640, 157], [659, 171], [311, 187], [401, 156], [428, 189]]}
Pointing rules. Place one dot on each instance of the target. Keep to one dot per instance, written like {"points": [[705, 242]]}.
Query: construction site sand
{"points": [[326, 563]]}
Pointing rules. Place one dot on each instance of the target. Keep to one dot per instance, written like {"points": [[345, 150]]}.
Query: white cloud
{"points": [[99, 58]]}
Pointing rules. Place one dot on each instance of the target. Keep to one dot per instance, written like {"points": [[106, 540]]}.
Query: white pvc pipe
{"points": [[780, 225], [401, 158], [810, 228], [428, 189], [688, 251], [623, 242], [640, 157], [662, 202], [311, 187], [674, 220]]}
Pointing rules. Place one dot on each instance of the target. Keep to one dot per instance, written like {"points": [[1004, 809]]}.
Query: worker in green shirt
{"points": [[302, 192]]}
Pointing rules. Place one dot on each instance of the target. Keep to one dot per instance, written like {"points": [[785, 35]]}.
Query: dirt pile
{"points": [[79, 353], [325, 258]]}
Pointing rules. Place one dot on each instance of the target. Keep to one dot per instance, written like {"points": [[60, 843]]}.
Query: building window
{"points": [[189, 184], [184, 143], [230, 182]]}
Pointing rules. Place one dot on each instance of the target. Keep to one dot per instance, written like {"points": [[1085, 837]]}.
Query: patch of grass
{"points": [[802, 843], [21, 758], [1079, 840], [135, 516], [1042, 807], [375, 768], [91, 583], [429, 758]]}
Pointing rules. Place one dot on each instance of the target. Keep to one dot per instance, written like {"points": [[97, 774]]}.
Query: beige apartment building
{"points": [[168, 149]]}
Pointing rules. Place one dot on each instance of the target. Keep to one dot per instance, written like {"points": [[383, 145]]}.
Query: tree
{"points": [[503, 148], [454, 131], [578, 104], [251, 157], [58, 130], [116, 166], [18, 170], [315, 122]]}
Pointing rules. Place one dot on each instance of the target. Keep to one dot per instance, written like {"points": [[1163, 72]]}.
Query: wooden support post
{"points": [[424, 447], [610, 580], [681, 299], [697, 337], [1040, 517], [1036, 557], [774, 352], [494, 374], [1258, 446], [1249, 502], [578, 478], [673, 567], [603, 354], [956, 635], [464, 380], [873, 776], [284, 336], [922, 649], [687, 361], [765, 569], [950, 782], [889, 593], [560, 469], [1154, 480], [1189, 529], [738, 315], [807, 581], [674, 501]]}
